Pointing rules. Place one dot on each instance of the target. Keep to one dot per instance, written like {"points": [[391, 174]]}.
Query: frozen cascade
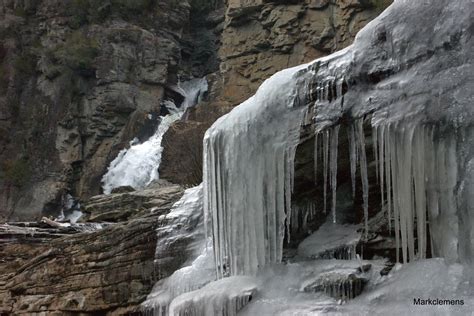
{"points": [[248, 170], [138, 165]]}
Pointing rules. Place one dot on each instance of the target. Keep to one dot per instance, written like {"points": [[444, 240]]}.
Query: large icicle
{"points": [[353, 156], [363, 171], [419, 175], [333, 169], [325, 166]]}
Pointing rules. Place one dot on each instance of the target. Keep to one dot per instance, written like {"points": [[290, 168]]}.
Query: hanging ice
{"points": [[138, 165], [248, 170]]}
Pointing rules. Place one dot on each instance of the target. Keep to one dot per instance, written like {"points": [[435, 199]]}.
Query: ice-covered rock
{"points": [[225, 297], [331, 241]]}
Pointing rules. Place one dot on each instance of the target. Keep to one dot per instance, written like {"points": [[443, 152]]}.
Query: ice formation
{"points": [[223, 297], [70, 210], [138, 165], [183, 223], [422, 147]]}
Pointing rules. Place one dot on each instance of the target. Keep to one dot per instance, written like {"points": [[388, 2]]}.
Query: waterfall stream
{"points": [[138, 165]]}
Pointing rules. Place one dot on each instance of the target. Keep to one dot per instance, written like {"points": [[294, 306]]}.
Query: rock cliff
{"points": [[79, 80]]}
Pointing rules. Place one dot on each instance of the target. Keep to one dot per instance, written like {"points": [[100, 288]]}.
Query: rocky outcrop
{"points": [[122, 206], [79, 80], [260, 38], [108, 271]]}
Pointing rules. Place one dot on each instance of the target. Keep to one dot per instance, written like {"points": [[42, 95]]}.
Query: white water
{"points": [[138, 165]]}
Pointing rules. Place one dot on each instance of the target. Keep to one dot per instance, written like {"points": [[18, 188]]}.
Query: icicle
{"points": [[333, 169], [388, 180], [316, 158], [396, 196], [363, 173], [420, 190], [353, 157], [381, 163], [375, 150], [326, 166], [339, 87]]}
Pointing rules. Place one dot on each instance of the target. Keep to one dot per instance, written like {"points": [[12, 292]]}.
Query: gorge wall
{"points": [[79, 80]]}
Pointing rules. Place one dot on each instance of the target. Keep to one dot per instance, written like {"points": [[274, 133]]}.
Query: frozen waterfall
{"points": [[421, 141], [248, 166], [138, 165]]}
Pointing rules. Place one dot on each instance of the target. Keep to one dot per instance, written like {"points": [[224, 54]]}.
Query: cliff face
{"points": [[79, 80], [258, 39]]}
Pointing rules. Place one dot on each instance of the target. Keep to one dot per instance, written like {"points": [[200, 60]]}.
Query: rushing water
{"points": [[138, 165]]}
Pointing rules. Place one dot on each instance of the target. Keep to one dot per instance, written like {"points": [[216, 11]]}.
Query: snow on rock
{"points": [[331, 241], [225, 297], [426, 279], [285, 289]]}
